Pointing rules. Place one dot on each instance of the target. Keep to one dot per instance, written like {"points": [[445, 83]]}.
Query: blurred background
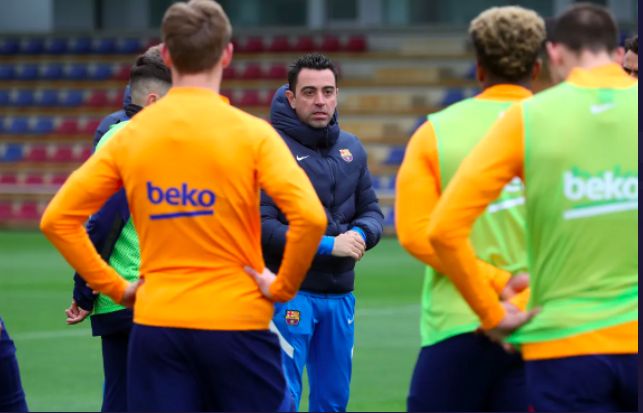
{"points": [[64, 65]]}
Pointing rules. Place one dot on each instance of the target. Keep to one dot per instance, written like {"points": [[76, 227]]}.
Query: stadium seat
{"points": [[22, 98], [277, 71], [121, 72], [304, 44], [355, 44], [452, 96], [252, 71], [279, 44], [84, 153], [81, 45], [4, 97], [55, 46], [43, 125], [27, 71], [58, 179], [229, 72], [67, 126], [100, 71], [76, 71], [98, 98], [252, 44], [89, 127], [128, 46], [28, 211], [9, 46], [227, 93], [35, 153], [103, 46], [7, 72], [33, 45], [330, 43], [18, 126], [395, 156], [8, 178], [52, 71], [71, 98], [47, 97], [62, 154], [6, 211], [250, 98], [34, 179], [11, 152]]}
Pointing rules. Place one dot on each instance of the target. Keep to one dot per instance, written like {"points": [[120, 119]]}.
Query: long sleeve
{"points": [[417, 194], [369, 217], [496, 160], [84, 192], [294, 195]]}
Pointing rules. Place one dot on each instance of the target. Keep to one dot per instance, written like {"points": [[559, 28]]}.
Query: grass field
{"points": [[61, 365]]}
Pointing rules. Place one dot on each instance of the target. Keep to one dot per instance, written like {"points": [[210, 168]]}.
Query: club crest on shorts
{"points": [[346, 155], [292, 317]]}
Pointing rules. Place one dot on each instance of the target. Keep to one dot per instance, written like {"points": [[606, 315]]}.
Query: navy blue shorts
{"points": [[173, 369], [596, 383], [467, 372], [114, 348], [12, 396]]}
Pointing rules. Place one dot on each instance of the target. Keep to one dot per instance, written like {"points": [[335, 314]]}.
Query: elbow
{"points": [[47, 223], [436, 238]]}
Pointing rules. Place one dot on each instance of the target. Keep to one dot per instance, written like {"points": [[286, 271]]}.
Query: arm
{"points": [[286, 183], [62, 223], [369, 221], [418, 192], [493, 162]]}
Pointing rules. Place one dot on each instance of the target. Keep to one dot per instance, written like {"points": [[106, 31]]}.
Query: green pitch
{"points": [[61, 365]]}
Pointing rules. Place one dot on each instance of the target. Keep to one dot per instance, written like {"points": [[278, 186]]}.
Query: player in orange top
{"points": [[192, 167]]}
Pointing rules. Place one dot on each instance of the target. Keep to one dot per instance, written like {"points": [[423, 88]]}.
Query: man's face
{"points": [[315, 97], [631, 64]]}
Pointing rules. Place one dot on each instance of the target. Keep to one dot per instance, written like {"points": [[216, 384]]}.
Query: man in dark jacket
{"points": [[316, 328]]}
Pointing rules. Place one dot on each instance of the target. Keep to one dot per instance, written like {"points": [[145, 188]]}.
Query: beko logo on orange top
{"points": [[198, 201]]}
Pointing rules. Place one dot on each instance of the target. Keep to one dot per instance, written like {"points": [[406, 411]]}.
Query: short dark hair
{"points": [[315, 61], [632, 44], [196, 33], [585, 26], [150, 66]]}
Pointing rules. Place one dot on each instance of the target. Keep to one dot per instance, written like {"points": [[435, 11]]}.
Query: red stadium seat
{"points": [[279, 44], [330, 43], [355, 44], [121, 72], [90, 126], [6, 211], [8, 178], [35, 179], [84, 153], [277, 71], [98, 98], [252, 71], [250, 98], [67, 127], [36, 154], [304, 44], [58, 179], [252, 44], [28, 211], [229, 72], [63, 154]]}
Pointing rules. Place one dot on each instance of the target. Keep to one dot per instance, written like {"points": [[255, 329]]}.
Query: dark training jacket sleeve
{"points": [[369, 216]]}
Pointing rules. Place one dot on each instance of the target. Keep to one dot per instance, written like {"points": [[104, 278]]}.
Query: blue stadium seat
{"points": [[33, 45], [452, 96], [80, 45], [9, 46], [395, 156], [56, 46], [389, 218], [22, 98], [104, 46], [4, 97], [129, 46], [47, 97], [376, 182], [76, 71], [43, 125], [52, 71], [17, 126], [7, 72], [12, 152], [27, 72], [100, 71], [71, 98]]}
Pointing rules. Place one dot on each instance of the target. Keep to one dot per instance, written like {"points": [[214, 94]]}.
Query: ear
{"points": [[553, 52], [226, 56], [480, 73], [165, 54], [291, 98], [151, 98], [538, 65], [618, 55]]}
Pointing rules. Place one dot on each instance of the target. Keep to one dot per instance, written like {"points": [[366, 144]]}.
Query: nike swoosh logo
{"points": [[301, 158], [596, 109], [350, 320]]}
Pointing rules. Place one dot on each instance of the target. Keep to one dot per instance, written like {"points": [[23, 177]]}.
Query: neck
{"points": [[588, 60], [526, 83], [207, 80]]}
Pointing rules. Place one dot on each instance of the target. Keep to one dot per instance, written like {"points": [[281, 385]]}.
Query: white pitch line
{"points": [[46, 335]]}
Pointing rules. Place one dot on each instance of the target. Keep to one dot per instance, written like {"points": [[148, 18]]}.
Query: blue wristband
{"points": [[326, 245]]}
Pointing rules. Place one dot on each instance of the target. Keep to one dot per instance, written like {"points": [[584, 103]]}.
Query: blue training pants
{"points": [[12, 396], [318, 331]]}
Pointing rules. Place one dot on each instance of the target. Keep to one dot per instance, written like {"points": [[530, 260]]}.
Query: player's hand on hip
{"points": [[349, 244], [75, 314], [264, 279], [513, 320], [129, 297], [516, 284]]}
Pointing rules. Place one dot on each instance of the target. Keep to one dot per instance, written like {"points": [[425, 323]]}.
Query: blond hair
{"points": [[196, 33], [508, 40]]}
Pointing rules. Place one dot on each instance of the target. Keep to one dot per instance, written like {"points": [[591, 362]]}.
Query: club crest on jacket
{"points": [[346, 155]]}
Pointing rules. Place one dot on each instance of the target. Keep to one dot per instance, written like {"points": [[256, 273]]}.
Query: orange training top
{"points": [[481, 177], [418, 191], [192, 167]]}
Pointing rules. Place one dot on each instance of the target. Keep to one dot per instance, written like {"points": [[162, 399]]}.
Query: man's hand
{"points": [[264, 280], [515, 285], [75, 314], [513, 320], [349, 244], [129, 297]]}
